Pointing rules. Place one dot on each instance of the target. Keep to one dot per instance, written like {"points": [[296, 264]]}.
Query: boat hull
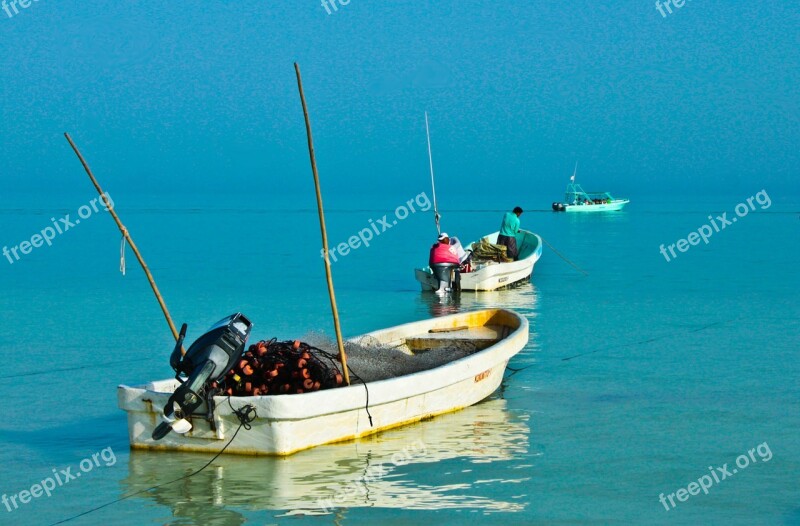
{"points": [[495, 276], [613, 206], [289, 423]]}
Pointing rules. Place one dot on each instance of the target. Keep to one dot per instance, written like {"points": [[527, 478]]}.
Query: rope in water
{"points": [[246, 415], [565, 259]]}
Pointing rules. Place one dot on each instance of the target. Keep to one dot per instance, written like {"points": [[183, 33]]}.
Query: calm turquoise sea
{"points": [[640, 378]]}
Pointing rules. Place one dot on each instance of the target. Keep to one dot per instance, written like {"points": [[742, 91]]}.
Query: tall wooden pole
{"points": [[339, 342], [128, 238]]}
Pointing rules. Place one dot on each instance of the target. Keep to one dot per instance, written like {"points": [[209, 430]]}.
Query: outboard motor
{"points": [[444, 273], [207, 360]]}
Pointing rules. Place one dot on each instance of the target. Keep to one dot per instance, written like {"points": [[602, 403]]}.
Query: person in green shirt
{"points": [[508, 230]]}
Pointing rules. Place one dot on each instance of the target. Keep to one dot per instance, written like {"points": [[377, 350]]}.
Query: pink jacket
{"points": [[442, 253]]}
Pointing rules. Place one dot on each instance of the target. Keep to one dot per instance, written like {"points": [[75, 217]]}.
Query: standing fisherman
{"points": [[508, 230]]}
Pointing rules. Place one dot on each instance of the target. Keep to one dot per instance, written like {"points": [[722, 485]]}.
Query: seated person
{"points": [[444, 252]]}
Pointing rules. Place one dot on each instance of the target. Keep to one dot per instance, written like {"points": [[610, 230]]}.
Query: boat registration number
{"points": [[482, 376]]}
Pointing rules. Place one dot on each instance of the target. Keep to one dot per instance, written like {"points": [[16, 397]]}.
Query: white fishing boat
{"points": [[464, 356], [578, 200], [486, 274], [483, 274]]}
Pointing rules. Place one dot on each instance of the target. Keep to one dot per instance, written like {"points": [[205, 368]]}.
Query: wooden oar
{"points": [[129, 239], [339, 342]]}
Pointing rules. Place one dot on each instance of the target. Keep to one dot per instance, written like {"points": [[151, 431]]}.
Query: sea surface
{"points": [[641, 376]]}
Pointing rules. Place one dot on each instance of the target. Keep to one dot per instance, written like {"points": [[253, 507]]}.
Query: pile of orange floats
{"points": [[273, 367]]}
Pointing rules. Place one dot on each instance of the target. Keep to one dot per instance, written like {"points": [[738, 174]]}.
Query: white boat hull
{"points": [[290, 423], [613, 206], [493, 276]]}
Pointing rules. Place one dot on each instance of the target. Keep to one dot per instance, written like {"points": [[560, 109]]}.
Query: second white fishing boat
{"points": [[486, 274]]}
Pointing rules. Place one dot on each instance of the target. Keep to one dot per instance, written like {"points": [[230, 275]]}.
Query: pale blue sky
{"points": [[200, 97]]}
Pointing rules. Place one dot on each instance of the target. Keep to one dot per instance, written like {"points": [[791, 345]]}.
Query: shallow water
{"points": [[637, 377]]}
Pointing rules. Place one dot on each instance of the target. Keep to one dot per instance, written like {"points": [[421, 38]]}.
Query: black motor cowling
{"points": [[207, 360], [444, 272]]}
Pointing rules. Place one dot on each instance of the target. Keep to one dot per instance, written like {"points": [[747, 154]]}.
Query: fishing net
{"points": [[273, 367], [369, 360], [485, 251], [294, 367]]}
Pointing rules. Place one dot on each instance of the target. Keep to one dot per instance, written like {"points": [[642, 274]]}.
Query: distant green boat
{"points": [[578, 200]]}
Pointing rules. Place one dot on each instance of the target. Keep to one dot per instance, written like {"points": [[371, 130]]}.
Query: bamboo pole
{"points": [[339, 343], [129, 239]]}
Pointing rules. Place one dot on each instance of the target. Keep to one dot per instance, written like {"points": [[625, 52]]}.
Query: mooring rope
{"points": [[246, 415], [564, 258]]}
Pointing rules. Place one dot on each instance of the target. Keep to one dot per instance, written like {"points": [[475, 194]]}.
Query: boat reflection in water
{"points": [[383, 470], [521, 298]]}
